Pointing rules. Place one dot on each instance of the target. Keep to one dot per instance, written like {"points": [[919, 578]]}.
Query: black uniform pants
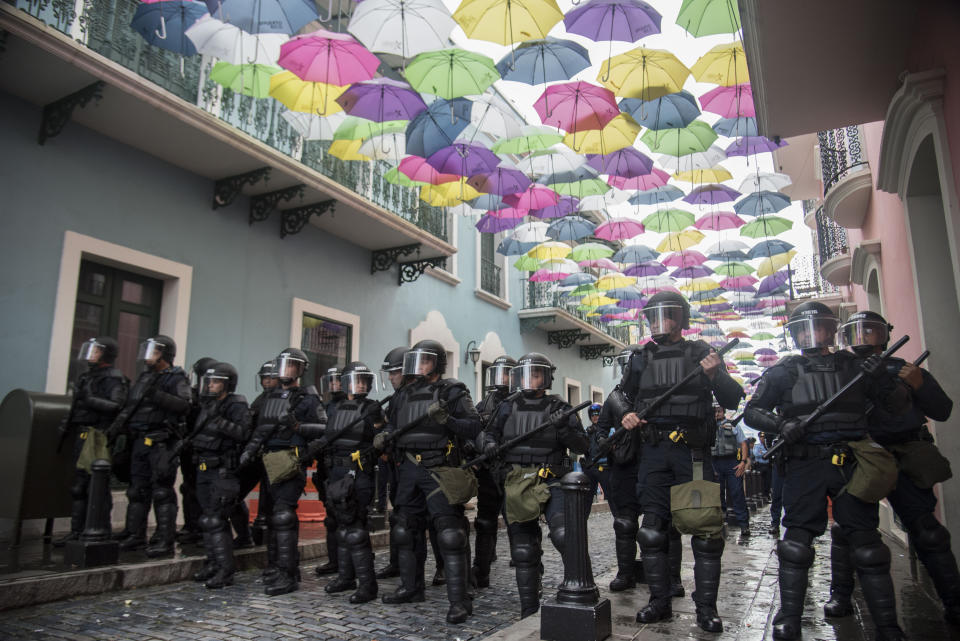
{"points": [[910, 502], [665, 464], [489, 497], [808, 482], [363, 494], [623, 491], [600, 475], [218, 490], [151, 472]]}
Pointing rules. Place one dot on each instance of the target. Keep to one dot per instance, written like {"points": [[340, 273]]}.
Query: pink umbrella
{"points": [[534, 197], [689, 258], [599, 263], [656, 178], [577, 106], [729, 102], [718, 221], [508, 212], [619, 229], [325, 56], [547, 276], [737, 282], [417, 168]]}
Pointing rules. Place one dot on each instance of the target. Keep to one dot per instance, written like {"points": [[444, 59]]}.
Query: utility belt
{"points": [[836, 453], [212, 461], [151, 438], [556, 459], [353, 460], [654, 434], [429, 458]]}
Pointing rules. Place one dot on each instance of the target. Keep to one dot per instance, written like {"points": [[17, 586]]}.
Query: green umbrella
{"points": [[763, 336], [581, 188], [590, 251], [585, 290], [451, 73], [527, 264], [709, 17], [353, 128], [734, 268], [397, 177], [697, 136], [668, 220], [533, 139], [765, 226], [250, 80]]}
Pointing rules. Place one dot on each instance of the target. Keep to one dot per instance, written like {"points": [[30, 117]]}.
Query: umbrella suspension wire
{"points": [[513, 60], [734, 17], [613, 11], [403, 36]]}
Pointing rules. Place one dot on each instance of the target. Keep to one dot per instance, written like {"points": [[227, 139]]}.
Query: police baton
{"points": [[824, 407], [921, 358], [526, 435], [619, 435], [391, 437], [314, 449]]}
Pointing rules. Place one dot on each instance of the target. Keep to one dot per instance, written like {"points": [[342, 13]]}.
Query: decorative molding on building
{"points": [[861, 259], [57, 114], [383, 259], [490, 298], [413, 270], [226, 189], [564, 338], [593, 352], [292, 221], [262, 205]]}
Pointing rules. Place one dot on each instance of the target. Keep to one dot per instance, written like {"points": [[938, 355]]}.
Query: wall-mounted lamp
{"points": [[472, 354]]}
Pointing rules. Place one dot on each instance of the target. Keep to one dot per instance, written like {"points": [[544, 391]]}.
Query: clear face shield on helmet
{"points": [[663, 319], [498, 375], [863, 335], [212, 385], [530, 377], [288, 367], [419, 363], [330, 383], [391, 377], [621, 360], [267, 378], [91, 351], [358, 383], [813, 333], [150, 352]]}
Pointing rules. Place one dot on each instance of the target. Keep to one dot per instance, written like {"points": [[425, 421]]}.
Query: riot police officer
{"points": [[254, 473], [221, 428], [920, 467], [430, 415], [153, 416], [599, 474], [683, 422], [100, 393], [819, 463], [536, 462], [276, 431], [349, 460], [729, 457], [489, 494], [191, 532], [392, 370], [333, 395]]}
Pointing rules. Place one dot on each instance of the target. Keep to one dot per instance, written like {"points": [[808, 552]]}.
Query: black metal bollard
{"points": [[95, 546], [579, 613]]}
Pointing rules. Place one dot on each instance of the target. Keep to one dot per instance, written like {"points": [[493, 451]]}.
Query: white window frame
{"points": [[449, 275], [571, 382], [302, 306], [593, 390], [503, 302]]}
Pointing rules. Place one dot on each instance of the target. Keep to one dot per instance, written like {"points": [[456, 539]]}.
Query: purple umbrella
{"points": [[491, 224], [382, 99], [694, 271], [751, 375], [750, 145], [464, 159], [711, 195], [649, 268], [622, 20], [765, 351], [773, 283], [501, 181], [715, 307], [566, 205], [627, 163]]}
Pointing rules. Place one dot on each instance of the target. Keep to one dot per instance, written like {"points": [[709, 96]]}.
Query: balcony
{"points": [[565, 325], [168, 107], [833, 251], [491, 277], [847, 181]]}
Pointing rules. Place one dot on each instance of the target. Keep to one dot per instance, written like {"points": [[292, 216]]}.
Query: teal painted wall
{"points": [[244, 277]]}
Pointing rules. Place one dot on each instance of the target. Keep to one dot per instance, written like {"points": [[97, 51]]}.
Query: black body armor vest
{"points": [[428, 435], [664, 367], [526, 414], [817, 378]]}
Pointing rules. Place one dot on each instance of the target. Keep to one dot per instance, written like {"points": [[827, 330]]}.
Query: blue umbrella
{"points": [[611, 309], [583, 172], [487, 201], [164, 24], [575, 280], [672, 111], [513, 247], [767, 248], [627, 295], [570, 228], [540, 61], [438, 126], [740, 127], [706, 294], [762, 202], [657, 195], [635, 254], [735, 254], [265, 16]]}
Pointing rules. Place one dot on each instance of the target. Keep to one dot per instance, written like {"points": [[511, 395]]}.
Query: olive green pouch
{"points": [[94, 447], [695, 507], [281, 465], [922, 463], [459, 486], [526, 493], [875, 475]]}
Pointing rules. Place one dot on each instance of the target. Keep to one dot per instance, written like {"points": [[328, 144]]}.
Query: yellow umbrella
{"points": [[725, 65], [702, 284], [595, 300], [448, 194], [680, 240], [307, 97], [347, 150], [711, 301], [773, 263], [612, 281], [716, 174], [620, 132], [507, 21], [644, 73], [550, 249]]}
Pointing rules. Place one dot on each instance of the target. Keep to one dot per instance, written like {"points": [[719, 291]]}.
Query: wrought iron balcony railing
{"points": [[103, 26], [840, 153], [831, 238], [490, 277], [540, 295]]}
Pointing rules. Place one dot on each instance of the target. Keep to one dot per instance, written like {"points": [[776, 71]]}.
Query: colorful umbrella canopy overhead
{"points": [[576, 106], [709, 17], [328, 57], [402, 27], [249, 80], [229, 43], [165, 24], [671, 111], [265, 16], [507, 21], [644, 73], [451, 73], [541, 61]]}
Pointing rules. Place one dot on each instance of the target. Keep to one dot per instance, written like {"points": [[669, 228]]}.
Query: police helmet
{"points": [[156, 348], [394, 359], [865, 331], [425, 358], [498, 374], [267, 371], [357, 379], [200, 368], [809, 319], [291, 364], [222, 376], [330, 382], [663, 311], [533, 372], [594, 410], [101, 349]]}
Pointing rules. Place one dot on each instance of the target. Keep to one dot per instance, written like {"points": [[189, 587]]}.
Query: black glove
{"points": [[793, 431], [287, 420], [380, 441], [490, 448], [873, 366], [438, 413], [246, 458], [557, 419]]}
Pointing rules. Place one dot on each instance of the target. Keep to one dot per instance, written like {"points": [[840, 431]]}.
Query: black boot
{"points": [[625, 544], [136, 526], [675, 554], [210, 564], [841, 576], [78, 517], [333, 556], [166, 514], [221, 543], [270, 572], [452, 535], [656, 568], [485, 550], [390, 570], [346, 579], [285, 525], [525, 553], [361, 555], [932, 543], [872, 561], [240, 521], [795, 561], [411, 579], [706, 577]]}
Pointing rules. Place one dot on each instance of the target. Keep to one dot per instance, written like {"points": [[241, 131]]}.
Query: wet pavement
{"points": [[748, 601]]}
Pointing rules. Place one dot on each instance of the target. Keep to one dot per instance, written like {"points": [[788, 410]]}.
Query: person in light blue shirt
{"points": [[730, 458]]}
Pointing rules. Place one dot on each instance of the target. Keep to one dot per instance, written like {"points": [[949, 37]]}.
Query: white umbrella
{"points": [[387, 147], [763, 181], [229, 43], [492, 115], [725, 246], [697, 160], [402, 27], [312, 126], [560, 158], [533, 232]]}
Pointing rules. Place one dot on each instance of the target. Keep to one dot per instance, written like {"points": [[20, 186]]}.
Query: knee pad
{"points": [[138, 494], [557, 536], [525, 553], [284, 520], [451, 535], [654, 522], [163, 495], [709, 547], [404, 531], [356, 537], [872, 559], [626, 527], [799, 535], [795, 552], [209, 522], [929, 535], [485, 525], [837, 535], [341, 534], [650, 539], [864, 538]]}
